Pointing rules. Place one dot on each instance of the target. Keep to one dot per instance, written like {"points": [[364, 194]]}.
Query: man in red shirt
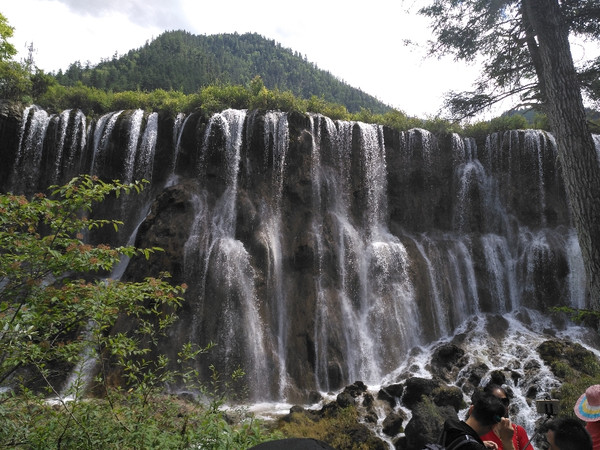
{"points": [[486, 411], [519, 438]]}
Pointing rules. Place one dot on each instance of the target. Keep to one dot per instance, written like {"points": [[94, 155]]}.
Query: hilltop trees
{"points": [[526, 48], [178, 60]]}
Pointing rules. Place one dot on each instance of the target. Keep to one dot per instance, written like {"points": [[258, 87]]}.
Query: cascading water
{"points": [[62, 131], [322, 252], [371, 289], [132, 145], [178, 127], [26, 168], [276, 144], [533, 145], [224, 263]]}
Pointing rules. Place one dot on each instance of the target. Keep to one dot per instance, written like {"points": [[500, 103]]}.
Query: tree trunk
{"points": [[576, 149]]}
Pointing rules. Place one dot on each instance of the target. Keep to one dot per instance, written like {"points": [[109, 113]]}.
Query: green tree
{"points": [[14, 79], [15, 83], [57, 315], [47, 298], [501, 33], [7, 50], [525, 45]]}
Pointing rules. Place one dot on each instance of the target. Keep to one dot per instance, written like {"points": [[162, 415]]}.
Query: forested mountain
{"points": [[183, 61]]}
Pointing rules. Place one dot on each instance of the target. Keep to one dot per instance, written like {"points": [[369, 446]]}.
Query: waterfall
{"points": [[102, 134], [132, 145], [178, 127], [26, 168], [144, 161], [62, 130], [276, 144], [576, 272], [223, 259], [73, 165], [439, 317], [500, 269], [321, 252], [472, 197], [533, 144], [373, 291]]}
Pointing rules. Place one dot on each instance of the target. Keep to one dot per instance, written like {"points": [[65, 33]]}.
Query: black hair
{"points": [[487, 408], [569, 434], [491, 387]]}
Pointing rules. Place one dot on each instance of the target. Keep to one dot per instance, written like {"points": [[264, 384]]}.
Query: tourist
{"points": [[485, 411], [567, 434], [587, 409], [520, 438]]}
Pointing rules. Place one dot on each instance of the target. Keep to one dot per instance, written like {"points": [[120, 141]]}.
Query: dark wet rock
{"points": [[415, 388], [392, 424], [426, 423]]}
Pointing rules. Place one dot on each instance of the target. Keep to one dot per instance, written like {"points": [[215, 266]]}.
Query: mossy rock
{"points": [[449, 396], [569, 359]]}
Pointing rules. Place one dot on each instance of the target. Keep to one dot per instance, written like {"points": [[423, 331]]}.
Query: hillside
{"points": [[182, 61]]}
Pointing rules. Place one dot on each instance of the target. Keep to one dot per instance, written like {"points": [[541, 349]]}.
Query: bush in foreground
{"points": [[57, 312]]}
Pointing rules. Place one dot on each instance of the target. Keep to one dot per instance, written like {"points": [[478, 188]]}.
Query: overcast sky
{"points": [[361, 43]]}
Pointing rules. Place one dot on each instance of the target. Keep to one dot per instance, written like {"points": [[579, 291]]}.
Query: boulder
{"points": [[416, 388], [426, 423]]}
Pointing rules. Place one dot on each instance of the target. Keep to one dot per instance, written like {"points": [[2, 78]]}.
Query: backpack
{"points": [[454, 445]]}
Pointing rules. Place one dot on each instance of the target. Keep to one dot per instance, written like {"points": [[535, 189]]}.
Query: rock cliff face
{"points": [[318, 253]]}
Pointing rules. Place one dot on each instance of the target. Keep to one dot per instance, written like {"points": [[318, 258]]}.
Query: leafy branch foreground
{"points": [[58, 309]]}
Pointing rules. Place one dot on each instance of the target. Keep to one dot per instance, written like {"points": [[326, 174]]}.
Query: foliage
{"points": [[180, 61], [479, 130], [7, 50], [14, 78], [15, 83], [501, 34], [214, 99], [333, 429], [94, 90], [125, 422], [49, 313], [574, 365], [57, 316]]}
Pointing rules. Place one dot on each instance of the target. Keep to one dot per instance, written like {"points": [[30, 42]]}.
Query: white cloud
{"points": [[152, 13]]}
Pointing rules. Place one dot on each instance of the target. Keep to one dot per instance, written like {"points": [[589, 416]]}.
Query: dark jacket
{"points": [[454, 429]]}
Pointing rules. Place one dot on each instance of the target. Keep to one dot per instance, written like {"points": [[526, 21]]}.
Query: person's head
{"points": [[486, 409], [567, 434], [500, 393]]}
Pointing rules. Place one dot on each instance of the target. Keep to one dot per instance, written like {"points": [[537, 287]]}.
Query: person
{"points": [[567, 434], [520, 438], [587, 409], [485, 411]]}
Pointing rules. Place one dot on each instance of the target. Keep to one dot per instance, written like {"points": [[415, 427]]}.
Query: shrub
{"points": [[57, 313]]}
